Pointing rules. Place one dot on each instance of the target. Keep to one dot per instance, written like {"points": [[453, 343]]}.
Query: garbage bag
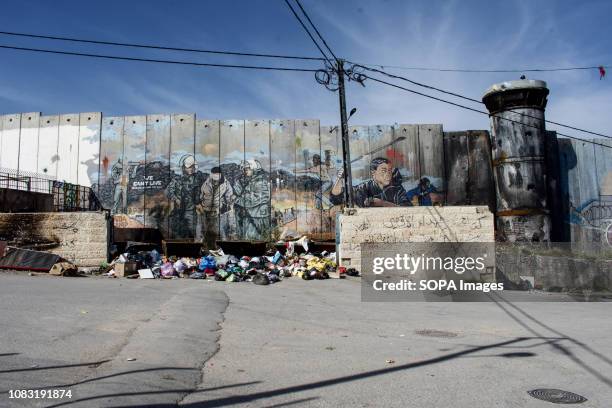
{"points": [[180, 266], [207, 262], [167, 269], [221, 275], [233, 278], [261, 279]]}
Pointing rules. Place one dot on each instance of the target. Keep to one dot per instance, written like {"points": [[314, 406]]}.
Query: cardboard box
{"points": [[125, 269]]}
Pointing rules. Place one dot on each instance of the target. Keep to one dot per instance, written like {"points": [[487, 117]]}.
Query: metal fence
{"points": [[66, 196], [25, 181]]}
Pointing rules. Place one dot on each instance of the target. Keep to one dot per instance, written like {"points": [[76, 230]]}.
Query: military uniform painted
{"points": [[253, 206], [184, 194]]}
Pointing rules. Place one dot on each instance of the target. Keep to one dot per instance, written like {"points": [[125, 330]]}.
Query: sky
{"points": [[467, 34]]}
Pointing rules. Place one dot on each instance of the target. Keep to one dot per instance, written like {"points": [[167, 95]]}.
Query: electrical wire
{"points": [[308, 32], [248, 54], [316, 31], [199, 64], [157, 47], [485, 70], [476, 100], [477, 110]]}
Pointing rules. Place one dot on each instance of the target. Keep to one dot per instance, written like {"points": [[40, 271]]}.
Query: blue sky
{"points": [[446, 34]]}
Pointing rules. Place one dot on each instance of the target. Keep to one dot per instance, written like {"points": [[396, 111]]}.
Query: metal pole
{"points": [[346, 154]]}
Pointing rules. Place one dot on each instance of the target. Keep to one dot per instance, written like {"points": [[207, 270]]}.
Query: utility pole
{"points": [[346, 154]]}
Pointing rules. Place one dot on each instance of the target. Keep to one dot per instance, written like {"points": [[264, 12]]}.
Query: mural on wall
{"points": [[89, 149], [331, 150], [393, 176], [156, 172], [308, 176], [231, 154], [252, 189], [283, 195], [112, 185], [183, 190], [133, 167], [215, 189], [234, 179], [586, 190]]}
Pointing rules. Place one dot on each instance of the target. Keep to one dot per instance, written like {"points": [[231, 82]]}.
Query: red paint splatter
{"points": [[395, 156]]}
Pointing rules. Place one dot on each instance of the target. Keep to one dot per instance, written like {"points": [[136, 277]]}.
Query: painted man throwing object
{"points": [[379, 191]]}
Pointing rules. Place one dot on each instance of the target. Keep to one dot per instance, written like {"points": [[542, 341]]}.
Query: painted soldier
{"points": [[216, 206], [252, 205], [184, 194], [423, 192], [119, 189], [380, 191], [323, 172]]}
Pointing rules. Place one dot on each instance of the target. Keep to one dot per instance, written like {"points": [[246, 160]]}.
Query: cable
{"points": [[477, 101], [200, 64], [247, 54], [316, 31], [478, 111], [308, 32], [483, 70], [157, 47]]}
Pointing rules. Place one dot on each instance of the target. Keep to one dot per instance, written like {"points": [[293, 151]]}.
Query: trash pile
{"points": [[261, 270]]}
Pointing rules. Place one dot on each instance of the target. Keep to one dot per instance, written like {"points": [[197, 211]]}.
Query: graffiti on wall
{"points": [[257, 180], [586, 190], [236, 179]]}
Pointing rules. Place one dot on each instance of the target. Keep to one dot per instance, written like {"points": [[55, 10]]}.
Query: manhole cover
{"points": [[435, 333], [557, 396]]}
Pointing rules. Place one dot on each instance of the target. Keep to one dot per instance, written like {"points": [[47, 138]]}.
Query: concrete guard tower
{"points": [[518, 137]]}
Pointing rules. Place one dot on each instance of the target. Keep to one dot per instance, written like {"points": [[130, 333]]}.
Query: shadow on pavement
{"points": [[556, 344], [18, 370], [174, 391], [245, 398]]}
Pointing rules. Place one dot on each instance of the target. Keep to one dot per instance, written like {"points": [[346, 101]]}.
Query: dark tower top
{"points": [[524, 93]]}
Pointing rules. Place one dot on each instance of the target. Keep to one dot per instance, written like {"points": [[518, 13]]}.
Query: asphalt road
{"points": [[118, 342]]}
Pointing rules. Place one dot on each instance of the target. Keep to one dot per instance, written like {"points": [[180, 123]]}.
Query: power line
{"points": [[308, 32], [248, 54], [477, 110], [158, 47], [316, 31], [484, 70], [477, 101], [199, 64]]}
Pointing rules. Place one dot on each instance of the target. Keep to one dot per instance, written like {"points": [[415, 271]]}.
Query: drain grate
{"points": [[557, 396], [435, 333]]}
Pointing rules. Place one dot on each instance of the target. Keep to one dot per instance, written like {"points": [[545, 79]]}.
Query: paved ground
{"points": [[295, 343]]}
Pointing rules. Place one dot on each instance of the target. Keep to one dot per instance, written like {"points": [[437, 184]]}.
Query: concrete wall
{"points": [[80, 237], [563, 272], [135, 165], [62, 147], [410, 224], [582, 191]]}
